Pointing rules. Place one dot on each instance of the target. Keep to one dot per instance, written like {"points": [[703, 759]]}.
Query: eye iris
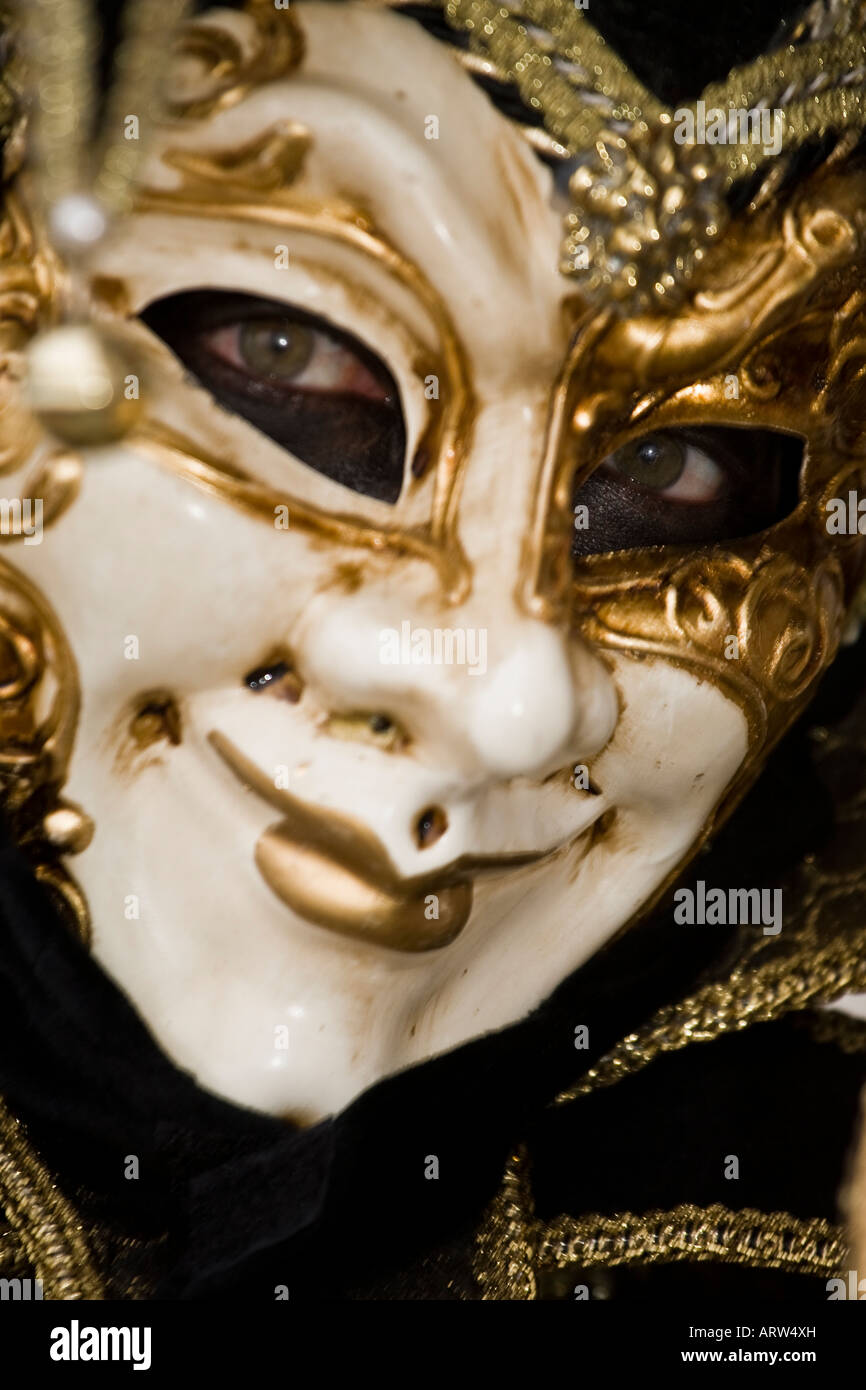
{"points": [[276, 347], [655, 463]]}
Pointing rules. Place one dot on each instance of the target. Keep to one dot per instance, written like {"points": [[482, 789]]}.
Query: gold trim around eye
{"points": [[785, 309], [229, 184], [187, 460]]}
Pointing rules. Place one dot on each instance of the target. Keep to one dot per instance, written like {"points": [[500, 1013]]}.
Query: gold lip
{"points": [[334, 872]]}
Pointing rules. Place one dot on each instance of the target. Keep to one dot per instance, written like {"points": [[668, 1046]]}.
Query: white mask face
{"points": [[338, 826]]}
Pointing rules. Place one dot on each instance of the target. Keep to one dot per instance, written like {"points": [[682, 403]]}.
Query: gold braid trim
{"points": [[792, 66], [45, 1225], [837, 110], [818, 972], [602, 70], [59, 46], [756, 1239], [147, 25], [528, 62], [530, 68], [514, 1247], [504, 1252], [13, 1262], [59, 50], [649, 195]]}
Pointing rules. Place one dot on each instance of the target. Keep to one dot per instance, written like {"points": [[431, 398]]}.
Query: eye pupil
{"points": [[276, 347], [656, 462]]}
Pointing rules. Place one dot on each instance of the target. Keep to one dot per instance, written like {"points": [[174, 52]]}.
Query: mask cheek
{"points": [[679, 743]]}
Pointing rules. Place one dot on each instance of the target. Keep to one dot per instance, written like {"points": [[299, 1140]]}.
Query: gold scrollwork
{"points": [[39, 704], [27, 280], [785, 619], [270, 161], [217, 66]]}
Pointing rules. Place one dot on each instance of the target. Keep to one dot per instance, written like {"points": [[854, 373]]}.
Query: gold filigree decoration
{"points": [[219, 65], [28, 276], [786, 618], [39, 704], [784, 320]]}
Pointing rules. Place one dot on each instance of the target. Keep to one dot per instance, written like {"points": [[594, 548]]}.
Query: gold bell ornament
{"points": [[83, 382]]}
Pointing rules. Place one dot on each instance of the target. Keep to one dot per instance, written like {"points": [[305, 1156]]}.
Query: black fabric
{"points": [[677, 48], [781, 1104]]}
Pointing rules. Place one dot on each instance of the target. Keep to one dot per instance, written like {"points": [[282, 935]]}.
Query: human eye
{"points": [[315, 390], [687, 486]]}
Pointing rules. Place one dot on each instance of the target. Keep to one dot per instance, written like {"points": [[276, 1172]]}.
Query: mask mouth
{"points": [[317, 886], [335, 873]]}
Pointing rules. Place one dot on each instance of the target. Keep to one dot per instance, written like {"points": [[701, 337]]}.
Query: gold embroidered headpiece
{"points": [[648, 194]]}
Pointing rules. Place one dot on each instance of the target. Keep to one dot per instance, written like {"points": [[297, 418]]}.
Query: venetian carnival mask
{"points": [[428, 508]]}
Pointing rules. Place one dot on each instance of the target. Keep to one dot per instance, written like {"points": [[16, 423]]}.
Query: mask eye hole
{"points": [[315, 390], [687, 487]]}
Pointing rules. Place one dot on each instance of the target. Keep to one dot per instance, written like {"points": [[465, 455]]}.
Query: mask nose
{"points": [[522, 702], [537, 703]]}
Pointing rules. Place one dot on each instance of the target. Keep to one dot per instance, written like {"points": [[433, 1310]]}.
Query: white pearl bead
{"points": [[76, 379], [76, 223]]}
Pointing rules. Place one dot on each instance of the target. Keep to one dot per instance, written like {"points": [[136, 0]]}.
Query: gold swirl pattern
{"points": [[218, 67], [763, 631], [39, 705]]}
